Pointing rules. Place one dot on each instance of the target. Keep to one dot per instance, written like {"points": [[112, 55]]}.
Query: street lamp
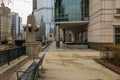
{"points": [[38, 27], [29, 27], [24, 27]]}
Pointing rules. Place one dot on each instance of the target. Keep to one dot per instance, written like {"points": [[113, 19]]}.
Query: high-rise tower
{"points": [[44, 16]]}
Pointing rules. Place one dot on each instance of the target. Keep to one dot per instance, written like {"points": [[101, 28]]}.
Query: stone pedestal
{"points": [[33, 49], [32, 46]]}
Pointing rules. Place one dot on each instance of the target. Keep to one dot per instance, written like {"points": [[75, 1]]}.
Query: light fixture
{"points": [[38, 27], [24, 27], [29, 27]]}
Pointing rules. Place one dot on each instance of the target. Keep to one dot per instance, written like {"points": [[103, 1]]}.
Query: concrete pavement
{"points": [[74, 64], [70, 63]]}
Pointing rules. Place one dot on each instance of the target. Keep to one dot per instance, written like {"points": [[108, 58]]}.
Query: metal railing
{"points": [[8, 55]]}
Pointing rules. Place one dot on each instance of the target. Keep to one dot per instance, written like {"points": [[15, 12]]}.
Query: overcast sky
{"points": [[22, 7]]}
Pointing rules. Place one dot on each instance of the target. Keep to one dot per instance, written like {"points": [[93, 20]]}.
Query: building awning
{"points": [[73, 25]]}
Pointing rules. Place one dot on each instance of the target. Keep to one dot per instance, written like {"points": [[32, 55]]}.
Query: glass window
{"points": [[70, 10], [117, 30], [118, 11], [117, 35]]}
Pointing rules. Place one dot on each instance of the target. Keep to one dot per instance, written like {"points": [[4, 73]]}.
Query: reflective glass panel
{"points": [[71, 10]]}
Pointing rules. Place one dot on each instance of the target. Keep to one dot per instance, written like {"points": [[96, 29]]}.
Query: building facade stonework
{"points": [[5, 23], [104, 23], [95, 22]]}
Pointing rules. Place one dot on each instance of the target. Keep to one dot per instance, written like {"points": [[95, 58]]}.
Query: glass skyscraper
{"points": [[71, 10], [44, 16], [34, 4]]}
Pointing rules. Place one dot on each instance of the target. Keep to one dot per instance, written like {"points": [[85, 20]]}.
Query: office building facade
{"points": [[40, 22], [19, 25], [14, 24], [44, 15], [5, 23], [19, 34], [104, 26], [73, 18], [34, 4], [69, 10], [93, 21]]}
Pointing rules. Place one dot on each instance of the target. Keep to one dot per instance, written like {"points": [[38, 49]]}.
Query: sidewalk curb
{"points": [[5, 74]]}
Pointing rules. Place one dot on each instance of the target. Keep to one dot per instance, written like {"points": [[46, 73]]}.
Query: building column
{"points": [[57, 36], [63, 35], [81, 38], [77, 38], [73, 37]]}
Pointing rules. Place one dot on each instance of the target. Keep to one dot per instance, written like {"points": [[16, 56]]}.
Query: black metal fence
{"points": [[6, 56]]}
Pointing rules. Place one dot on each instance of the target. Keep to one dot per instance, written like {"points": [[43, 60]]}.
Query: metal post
{"points": [[8, 56], [18, 52]]}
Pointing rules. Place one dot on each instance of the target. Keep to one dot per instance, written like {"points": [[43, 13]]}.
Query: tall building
{"points": [[5, 23], [95, 22], [44, 15], [73, 18], [14, 24], [104, 26], [19, 25], [34, 4]]}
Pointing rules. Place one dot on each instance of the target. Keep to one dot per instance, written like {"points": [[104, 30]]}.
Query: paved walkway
{"points": [[74, 64], [70, 63], [67, 48]]}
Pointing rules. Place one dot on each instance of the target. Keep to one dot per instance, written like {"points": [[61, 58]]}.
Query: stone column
{"points": [[74, 37], [57, 36], [81, 38], [63, 35]]}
